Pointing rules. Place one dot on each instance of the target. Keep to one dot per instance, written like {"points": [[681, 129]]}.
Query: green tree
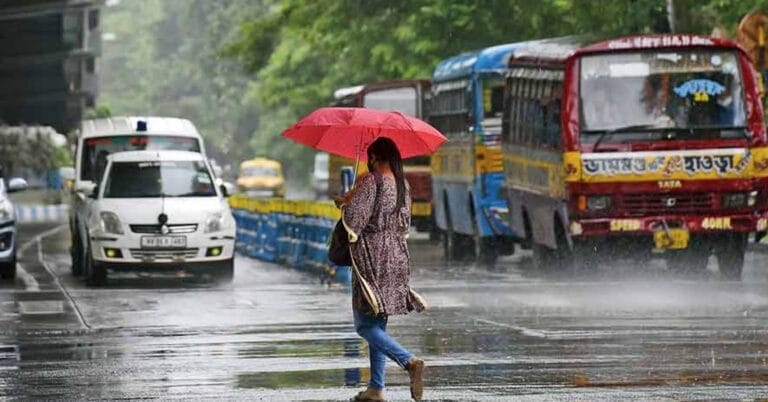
{"points": [[164, 59]]}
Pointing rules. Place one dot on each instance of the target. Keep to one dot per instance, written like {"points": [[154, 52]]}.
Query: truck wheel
{"points": [[96, 273], [8, 269], [691, 260], [730, 257]]}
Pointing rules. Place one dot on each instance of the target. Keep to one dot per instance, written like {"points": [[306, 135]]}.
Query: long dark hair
{"points": [[385, 150]]}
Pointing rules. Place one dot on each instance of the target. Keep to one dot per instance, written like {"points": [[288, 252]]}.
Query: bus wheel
{"points": [[542, 257], [451, 240], [584, 256], [434, 232], [486, 250], [730, 256]]}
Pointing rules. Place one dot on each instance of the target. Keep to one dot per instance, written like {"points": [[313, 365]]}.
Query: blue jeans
{"points": [[380, 346]]}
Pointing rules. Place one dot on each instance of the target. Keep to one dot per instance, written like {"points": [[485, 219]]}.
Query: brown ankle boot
{"points": [[415, 369], [369, 395]]}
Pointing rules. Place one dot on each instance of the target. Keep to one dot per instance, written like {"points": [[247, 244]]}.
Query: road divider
{"points": [[291, 232], [41, 213]]}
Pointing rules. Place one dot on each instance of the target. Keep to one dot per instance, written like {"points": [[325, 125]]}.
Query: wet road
{"points": [[278, 334]]}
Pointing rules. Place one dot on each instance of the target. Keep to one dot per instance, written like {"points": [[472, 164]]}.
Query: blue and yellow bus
{"points": [[467, 172]]}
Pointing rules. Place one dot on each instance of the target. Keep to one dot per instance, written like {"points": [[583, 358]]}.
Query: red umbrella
{"points": [[347, 131]]}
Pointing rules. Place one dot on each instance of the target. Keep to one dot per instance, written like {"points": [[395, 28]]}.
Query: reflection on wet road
{"points": [[278, 334]]}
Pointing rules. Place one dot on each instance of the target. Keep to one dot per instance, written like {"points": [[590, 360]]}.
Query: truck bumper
{"points": [[647, 226]]}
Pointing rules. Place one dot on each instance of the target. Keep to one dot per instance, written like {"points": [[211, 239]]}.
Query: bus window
{"points": [[493, 104], [554, 115], [527, 112], [403, 100], [449, 112], [514, 111], [537, 119], [493, 101]]}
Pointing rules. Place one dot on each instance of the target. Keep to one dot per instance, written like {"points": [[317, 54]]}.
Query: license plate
{"points": [[674, 239], [421, 209], [163, 242]]}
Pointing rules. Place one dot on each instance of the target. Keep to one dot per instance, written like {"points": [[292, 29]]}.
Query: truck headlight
{"points": [[739, 200], [598, 202], [110, 223], [214, 222]]}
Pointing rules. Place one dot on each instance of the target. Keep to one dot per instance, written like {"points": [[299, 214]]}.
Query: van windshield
{"points": [[159, 179], [96, 150]]}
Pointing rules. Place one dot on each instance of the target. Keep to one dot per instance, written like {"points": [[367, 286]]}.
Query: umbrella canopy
{"points": [[347, 131]]}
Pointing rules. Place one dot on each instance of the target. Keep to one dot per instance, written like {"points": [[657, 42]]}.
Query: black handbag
{"points": [[338, 250]]}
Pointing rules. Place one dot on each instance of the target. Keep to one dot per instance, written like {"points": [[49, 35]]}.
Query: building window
{"points": [[93, 19]]}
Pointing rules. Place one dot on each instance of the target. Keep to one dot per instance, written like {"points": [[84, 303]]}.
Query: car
{"points": [[320, 175], [8, 236], [261, 177], [159, 211], [99, 138]]}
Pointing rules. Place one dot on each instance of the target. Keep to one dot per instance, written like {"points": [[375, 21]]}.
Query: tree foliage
{"points": [[165, 59], [243, 70], [30, 149]]}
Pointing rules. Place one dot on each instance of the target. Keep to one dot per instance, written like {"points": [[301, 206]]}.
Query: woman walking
{"points": [[377, 216]]}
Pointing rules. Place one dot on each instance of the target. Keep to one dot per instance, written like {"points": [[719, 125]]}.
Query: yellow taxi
{"points": [[261, 177]]}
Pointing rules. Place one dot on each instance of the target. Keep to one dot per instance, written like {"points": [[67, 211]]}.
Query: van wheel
{"points": [[96, 273], [730, 257], [76, 254], [225, 272]]}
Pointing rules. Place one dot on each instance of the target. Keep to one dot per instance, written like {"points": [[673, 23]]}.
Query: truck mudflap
{"points": [[498, 220]]}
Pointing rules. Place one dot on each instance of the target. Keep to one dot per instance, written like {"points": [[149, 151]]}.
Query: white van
{"points": [[155, 211], [100, 138]]}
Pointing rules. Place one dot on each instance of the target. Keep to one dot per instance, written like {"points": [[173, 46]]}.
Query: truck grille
{"points": [[172, 229], [641, 204], [169, 255]]}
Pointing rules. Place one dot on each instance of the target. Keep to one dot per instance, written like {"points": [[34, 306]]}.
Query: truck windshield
{"points": [[692, 94], [96, 150], [159, 179]]}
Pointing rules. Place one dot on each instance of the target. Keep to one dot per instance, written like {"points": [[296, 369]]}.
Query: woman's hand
{"points": [[344, 199]]}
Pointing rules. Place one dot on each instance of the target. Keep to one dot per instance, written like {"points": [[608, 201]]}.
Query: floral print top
{"points": [[378, 246]]}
